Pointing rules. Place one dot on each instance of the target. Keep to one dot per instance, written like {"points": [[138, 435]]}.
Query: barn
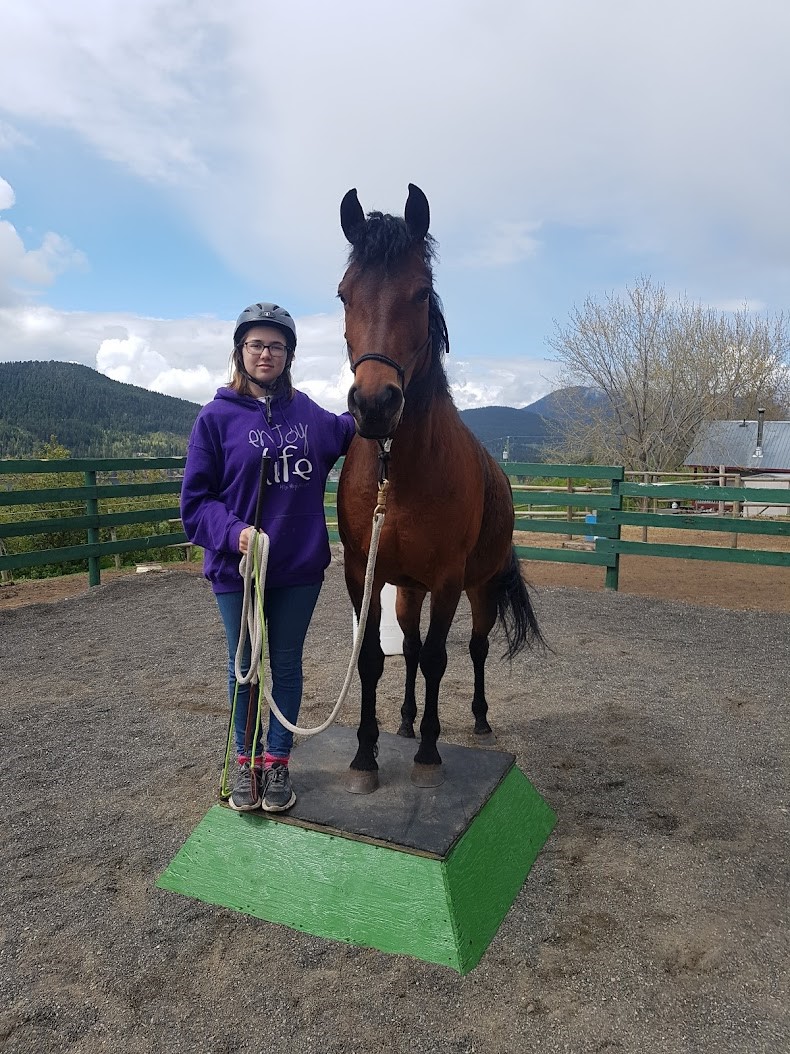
{"points": [[757, 451]]}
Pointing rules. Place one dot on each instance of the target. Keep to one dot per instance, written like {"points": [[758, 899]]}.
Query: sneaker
{"points": [[278, 793], [246, 794]]}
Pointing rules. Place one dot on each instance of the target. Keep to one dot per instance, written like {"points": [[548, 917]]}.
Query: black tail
{"points": [[516, 615]]}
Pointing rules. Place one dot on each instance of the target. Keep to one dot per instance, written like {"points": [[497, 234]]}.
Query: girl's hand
{"points": [[244, 539]]}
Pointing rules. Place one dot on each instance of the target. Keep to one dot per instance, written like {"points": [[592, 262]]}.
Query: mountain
{"points": [[91, 415], [524, 433], [521, 432], [569, 403]]}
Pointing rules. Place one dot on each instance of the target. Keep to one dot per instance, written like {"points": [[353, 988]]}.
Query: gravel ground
{"points": [[653, 920]]}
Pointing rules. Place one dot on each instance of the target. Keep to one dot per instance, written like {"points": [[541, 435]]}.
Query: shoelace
{"points": [[276, 775]]}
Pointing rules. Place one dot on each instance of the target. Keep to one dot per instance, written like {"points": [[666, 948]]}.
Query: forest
{"points": [[89, 414]]}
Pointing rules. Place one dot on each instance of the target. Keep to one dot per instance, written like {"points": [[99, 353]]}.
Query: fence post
{"points": [[6, 578], [613, 572], [569, 514], [92, 509], [116, 556]]}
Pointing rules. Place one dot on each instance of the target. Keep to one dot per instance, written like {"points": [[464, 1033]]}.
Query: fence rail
{"points": [[99, 513], [99, 501]]}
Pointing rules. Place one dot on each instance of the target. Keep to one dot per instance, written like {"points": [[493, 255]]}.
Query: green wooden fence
{"points": [[103, 494], [105, 502], [612, 546]]}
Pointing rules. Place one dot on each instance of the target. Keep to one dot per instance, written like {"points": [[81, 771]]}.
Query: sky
{"points": [[165, 163]]}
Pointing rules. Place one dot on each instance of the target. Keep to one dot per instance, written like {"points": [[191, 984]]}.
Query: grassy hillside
{"points": [[91, 415]]}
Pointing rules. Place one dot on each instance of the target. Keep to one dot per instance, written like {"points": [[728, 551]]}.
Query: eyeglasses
{"points": [[277, 350]]}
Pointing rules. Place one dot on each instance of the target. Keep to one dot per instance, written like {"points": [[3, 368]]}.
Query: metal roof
{"points": [[733, 444]]}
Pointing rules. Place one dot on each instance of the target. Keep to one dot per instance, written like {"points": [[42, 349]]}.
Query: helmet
{"points": [[266, 315]]}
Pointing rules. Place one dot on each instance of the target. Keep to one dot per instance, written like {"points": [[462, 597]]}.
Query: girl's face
{"points": [[264, 353]]}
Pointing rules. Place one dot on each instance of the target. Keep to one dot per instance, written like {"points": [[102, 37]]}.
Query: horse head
{"points": [[387, 293]]}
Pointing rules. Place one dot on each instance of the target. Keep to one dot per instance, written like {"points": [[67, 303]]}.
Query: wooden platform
{"points": [[426, 873]]}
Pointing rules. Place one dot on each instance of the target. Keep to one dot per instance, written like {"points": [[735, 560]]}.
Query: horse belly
{"points": [[416, 549]]}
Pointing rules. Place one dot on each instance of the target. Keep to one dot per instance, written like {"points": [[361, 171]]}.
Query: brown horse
{"points": [[449, 509]]}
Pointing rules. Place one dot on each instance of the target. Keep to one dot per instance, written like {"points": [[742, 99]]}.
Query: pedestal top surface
{"points": [[398, 813]]}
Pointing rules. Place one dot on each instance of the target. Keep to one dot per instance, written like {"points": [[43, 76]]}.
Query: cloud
{"points": [[655, 123], [754, 307], [500, 382], [504, 244], [24, 270], [39, 267], [189, 358], [7, 196], [11, 138], [137, 81], [182, 357], [132, 360], [649, 134]]}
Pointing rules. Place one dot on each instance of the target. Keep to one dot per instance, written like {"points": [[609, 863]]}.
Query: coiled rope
{"points": [[253, 571]]}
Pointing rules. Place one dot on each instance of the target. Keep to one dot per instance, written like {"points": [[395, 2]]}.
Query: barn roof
{"points": [[734, 443]]}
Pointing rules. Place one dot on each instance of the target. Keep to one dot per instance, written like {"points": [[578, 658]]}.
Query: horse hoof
{"points": [[362, 781], [427, 775], [406, 731], [485, 738]]}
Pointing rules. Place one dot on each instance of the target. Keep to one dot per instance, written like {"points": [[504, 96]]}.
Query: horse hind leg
{"points": [[408, 607], [484, 613]]}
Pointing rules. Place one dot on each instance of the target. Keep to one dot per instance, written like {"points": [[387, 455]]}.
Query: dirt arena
{"points": [[654, 920]]}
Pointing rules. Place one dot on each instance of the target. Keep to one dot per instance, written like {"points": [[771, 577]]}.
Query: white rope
{"points": [[258, 545], [251, 618]]}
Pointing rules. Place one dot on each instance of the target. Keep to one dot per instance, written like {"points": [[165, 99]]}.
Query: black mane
{"points": [[386, 241]]}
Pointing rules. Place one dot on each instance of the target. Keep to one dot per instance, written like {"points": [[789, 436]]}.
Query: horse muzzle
{"points": [[376, 414]]}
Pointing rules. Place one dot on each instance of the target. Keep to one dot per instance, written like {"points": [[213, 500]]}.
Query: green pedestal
{"points": [[426, 873]]}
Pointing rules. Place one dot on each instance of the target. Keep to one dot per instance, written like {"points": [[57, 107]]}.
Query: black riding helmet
{"points": [[266, 315]]}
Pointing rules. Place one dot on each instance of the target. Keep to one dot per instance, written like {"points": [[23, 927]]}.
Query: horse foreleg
{"points": [[363, 773], [362, 776], [408, 608], [427, 770], [484, 612]]}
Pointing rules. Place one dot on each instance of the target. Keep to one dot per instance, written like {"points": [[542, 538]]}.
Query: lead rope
{"points": [[252, 624]]}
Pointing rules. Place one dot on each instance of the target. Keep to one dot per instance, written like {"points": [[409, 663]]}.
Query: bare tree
{"points": [[663, 367]]}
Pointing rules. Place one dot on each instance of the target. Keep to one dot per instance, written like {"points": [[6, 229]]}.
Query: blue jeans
{"points": [[287, 611]]}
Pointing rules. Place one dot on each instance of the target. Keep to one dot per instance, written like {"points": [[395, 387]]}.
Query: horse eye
{"points": [[341, 298], [423, 295]]}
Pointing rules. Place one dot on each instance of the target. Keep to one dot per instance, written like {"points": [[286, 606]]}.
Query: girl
{"points": [[261, 413]]}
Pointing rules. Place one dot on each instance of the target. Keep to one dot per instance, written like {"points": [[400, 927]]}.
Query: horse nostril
{"points": [[391, 398]]}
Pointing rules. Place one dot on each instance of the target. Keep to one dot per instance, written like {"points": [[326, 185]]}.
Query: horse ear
{"points": [[417, 213], [352, 218]]}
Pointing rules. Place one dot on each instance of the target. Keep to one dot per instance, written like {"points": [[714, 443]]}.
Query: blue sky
{"points": [[163, 164]]}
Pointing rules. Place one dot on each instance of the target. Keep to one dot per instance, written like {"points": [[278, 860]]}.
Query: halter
{"points": [[385, 444], [400, 370]]}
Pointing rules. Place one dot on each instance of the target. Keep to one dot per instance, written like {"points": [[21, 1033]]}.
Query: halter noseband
{"points": [[400, 370]]}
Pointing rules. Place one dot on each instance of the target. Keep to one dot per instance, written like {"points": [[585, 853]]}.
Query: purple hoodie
{"points": [[220, 488]]}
